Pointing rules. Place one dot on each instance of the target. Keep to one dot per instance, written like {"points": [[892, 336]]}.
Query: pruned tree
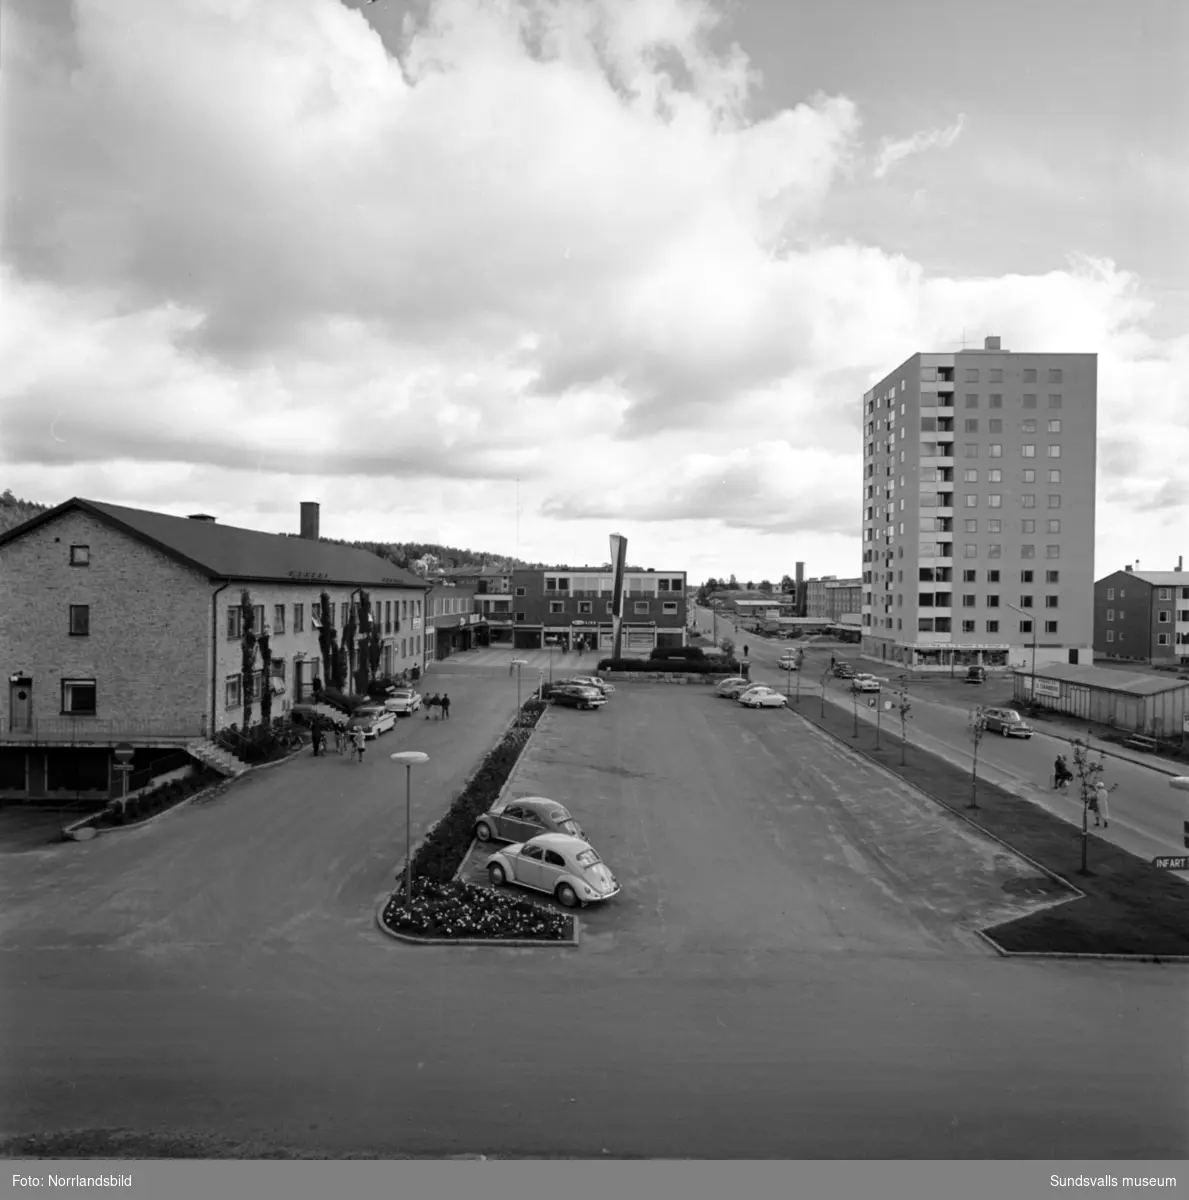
{"points": [[350, 629], [904, 708], [375, 652], [326, 638], [1088, 771], [247, 612], [266, 674], [728, 646], [976, 726]]}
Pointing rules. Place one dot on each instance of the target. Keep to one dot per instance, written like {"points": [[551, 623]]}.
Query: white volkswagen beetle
{"points": [[562, 866]]}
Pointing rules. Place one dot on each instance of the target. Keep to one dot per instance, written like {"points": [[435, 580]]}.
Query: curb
{"points": [[224, 783], [71, 830], [986, 937], [499, 943]]}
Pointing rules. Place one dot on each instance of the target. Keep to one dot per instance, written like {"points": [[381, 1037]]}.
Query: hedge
{"points": [[726, 666], [695, 652], [443, 851]]}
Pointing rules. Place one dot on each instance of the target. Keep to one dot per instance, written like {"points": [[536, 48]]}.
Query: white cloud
{"points": [[548, 244], [893, 151]]}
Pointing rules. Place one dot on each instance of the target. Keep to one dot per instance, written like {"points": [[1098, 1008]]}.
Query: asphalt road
{"points": [[790, 973], [1146, 815]]}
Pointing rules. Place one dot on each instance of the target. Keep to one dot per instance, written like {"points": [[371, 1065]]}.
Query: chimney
{"points": [[201, 517], [1127, 569], [309, 520], [1180, 561], [800, 589], [991, 343]]}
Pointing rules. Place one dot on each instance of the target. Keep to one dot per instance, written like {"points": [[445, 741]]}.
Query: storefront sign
{"points": [[1044, 687]]}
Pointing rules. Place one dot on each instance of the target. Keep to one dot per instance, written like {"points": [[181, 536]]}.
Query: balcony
{"points": [[104, 731]]}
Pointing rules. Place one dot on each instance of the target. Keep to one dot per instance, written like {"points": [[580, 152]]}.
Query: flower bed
{"points": [[149, 804], [687, 666], [462, 910], [443, 851]]}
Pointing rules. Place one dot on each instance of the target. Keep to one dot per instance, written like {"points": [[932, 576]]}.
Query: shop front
{"points": [[527, 638]]}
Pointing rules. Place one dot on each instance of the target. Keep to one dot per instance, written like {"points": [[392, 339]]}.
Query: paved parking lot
{"points": [[745, 832]]}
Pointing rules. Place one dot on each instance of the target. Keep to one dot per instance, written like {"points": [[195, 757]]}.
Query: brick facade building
{"points": [[563, 605], [122, 625], [1143, 616]]}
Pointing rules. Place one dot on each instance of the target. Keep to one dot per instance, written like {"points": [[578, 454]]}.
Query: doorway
{"points": [[20, 704]]}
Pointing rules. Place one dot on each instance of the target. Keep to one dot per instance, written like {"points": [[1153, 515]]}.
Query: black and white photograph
{"points": [[595, 581]]}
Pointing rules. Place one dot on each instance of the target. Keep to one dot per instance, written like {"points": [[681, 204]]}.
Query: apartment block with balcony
{"points": [[1143, 616], [125, 626], [562, 605], [978, 509]]}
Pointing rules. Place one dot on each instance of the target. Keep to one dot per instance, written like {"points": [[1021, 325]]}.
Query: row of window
{"points": [[1161, 593], [970, 425], [945, 625], [971, 450], [1162, 639], [585, 607], [1163, 615], [596, 583], [387, 614], [994, 374]]}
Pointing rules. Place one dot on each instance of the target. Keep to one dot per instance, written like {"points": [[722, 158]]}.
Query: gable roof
{"points": [[1107, 679], [1152, 578], [228, 552]]}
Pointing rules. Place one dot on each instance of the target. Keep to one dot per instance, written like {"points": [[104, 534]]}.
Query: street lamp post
{"points": [[409, 758], [518, 663], [1032, 685]]}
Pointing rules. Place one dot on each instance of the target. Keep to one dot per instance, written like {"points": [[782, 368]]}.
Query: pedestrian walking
{"points": [[316, 737], [1100, 804], [746, 650], [1061, 773], [445, 702], [360, 742], [430, 701], [833, 662]]}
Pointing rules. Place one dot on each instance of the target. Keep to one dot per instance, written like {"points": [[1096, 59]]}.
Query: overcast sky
{"points": [[643, 256]]}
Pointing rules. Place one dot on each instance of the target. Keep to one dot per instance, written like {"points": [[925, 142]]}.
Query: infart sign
{"points": [[1044, 687]]}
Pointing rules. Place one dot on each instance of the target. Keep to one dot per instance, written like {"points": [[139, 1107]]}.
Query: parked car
{"points": [[1007, 722], [864, 683], [976, 675], [372, 719], [763, 697], [561, 866], [735, 689], [403, 702], [524, 818], [591, 681], [725, 685], [573, 696], [788, 661]]}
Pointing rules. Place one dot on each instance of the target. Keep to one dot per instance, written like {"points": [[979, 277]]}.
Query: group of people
{"points": [[441, 703], [345, 739], [1099, 796]]}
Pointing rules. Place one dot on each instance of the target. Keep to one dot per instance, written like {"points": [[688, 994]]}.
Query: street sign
{"points": [[124, 752], [124, 767], [871, 702], [1172, 862]]}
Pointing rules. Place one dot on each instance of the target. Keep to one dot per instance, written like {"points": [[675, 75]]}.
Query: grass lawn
{"points": [[1130, 907]]}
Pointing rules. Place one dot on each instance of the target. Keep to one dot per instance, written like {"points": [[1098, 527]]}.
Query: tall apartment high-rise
{"points": [[978, 509]]}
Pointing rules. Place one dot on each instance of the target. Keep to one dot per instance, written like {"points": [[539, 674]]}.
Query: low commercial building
{"points": [[563, 606], [1153, 705], [1143, 616], [121, 625], [831, 597], [454, 623]]}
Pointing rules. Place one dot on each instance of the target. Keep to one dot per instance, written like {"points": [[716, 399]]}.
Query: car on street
{"points": [[526, 817], [864, 683], [591, 681], [404, 702], [844, 670], [976, 674], [557, 864], [572, 696], [1007, 722], [788, 661], [763, 697], [372, 719]]}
